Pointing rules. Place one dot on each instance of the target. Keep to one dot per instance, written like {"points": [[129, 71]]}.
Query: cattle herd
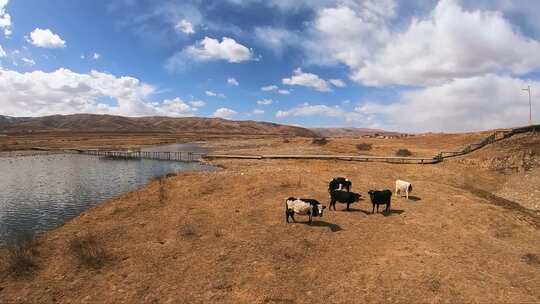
{"points": [[339, 189]]}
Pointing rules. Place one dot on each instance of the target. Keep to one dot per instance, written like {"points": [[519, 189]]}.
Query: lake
{"points": [[39, 193]]}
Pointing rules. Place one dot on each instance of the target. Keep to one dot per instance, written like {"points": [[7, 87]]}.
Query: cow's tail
{"points": [[410, 188]]}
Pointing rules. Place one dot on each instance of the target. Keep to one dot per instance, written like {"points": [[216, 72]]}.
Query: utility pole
{"points": [[528, 89]]}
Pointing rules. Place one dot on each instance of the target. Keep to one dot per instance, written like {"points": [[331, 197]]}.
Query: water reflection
{"points": [[38, 193]]}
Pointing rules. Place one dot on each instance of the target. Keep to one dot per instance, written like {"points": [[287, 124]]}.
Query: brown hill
{"points": [[351, 132], [110, 123]]}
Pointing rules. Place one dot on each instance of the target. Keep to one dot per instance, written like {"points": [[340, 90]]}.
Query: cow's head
{"points": [[371, 193], [318, 209]]}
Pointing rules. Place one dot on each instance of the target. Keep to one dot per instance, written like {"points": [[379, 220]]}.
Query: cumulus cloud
{"points": [[96, 56], [45, 38], [264, 102], [212, 49], [232, 81], [275, 39], [475, 103], [2, 52], [451, 43], [269, 88], [63, 91], [309, 80], [308, 110], [258, 112], [197, 103], [283, 92], [5, 18], [185, 27], [28, 61], [224, 113], [214, 94], [337, 83]]}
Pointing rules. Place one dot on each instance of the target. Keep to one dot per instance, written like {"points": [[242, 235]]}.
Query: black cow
{"points": [[302, 206], [344, 197], [339, 183], [383, 197]]}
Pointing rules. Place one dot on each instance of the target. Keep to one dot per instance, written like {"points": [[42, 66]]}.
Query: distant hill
{"points": [[110, 123], [350, 132]]}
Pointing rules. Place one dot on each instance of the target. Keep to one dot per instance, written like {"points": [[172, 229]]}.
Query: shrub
{"points": [[403, 152], [319, 141], [21, 256], [364, 147], [88, 251]]}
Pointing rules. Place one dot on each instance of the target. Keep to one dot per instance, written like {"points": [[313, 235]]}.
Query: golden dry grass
{"points": [[221, 237]]}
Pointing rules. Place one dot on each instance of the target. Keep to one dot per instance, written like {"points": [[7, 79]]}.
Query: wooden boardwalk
{"points": [[363, 158], [183, 156], [187, 156]]}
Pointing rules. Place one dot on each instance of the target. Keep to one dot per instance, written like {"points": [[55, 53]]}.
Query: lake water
{"points": [[38, 193]]}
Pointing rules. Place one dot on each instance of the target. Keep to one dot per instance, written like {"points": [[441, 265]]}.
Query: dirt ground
{"points": [[221, 237]]}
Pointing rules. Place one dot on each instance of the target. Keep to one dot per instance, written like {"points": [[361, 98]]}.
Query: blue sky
{"points": [[421, 65]]}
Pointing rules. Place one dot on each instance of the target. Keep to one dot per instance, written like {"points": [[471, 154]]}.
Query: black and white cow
{"points": [[344, 197], [303, 206], [383, 197], [339, 183]]}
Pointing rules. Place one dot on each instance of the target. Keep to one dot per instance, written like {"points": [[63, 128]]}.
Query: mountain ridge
{"points": [[113, 123]]}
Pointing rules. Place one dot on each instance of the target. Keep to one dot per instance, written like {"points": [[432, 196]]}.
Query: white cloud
{"points": [[275, 39], [185, 27], [211, 49], [269, 88], [28, 61], [337, 82], [307, 80], [96, 56], [264, 102], [475, 103], [2, 52], [5, 18], [283, 92], [349, 33], [224, 113], [258, 112], [62, 91], [451, 43], [45, 38], [214, 94], [232, 81], [197, 103], [308, 110]]}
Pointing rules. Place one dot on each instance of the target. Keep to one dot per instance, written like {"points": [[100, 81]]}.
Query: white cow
{"points": [[303, 206], [403, 187]]}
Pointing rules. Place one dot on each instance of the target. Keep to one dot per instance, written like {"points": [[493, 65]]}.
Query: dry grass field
{"points": [[469, 233]]}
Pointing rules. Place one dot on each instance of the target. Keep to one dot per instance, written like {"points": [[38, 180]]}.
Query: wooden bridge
{"points": [[183, 156], [186, 156]]}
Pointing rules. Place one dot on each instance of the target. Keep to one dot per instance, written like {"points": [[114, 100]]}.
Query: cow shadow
{"points": [[392, 212], [414, 198], [333, 227], [355, 210]]}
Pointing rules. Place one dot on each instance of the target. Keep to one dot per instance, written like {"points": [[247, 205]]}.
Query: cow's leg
{"points": [[407, 193], [310, 218], [373, 210], [287, 215], [378, 208], [292, 216], [348, 204]]}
